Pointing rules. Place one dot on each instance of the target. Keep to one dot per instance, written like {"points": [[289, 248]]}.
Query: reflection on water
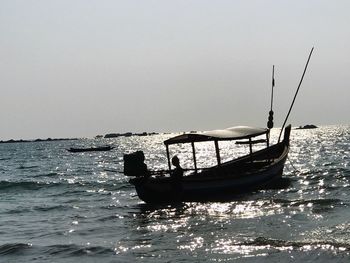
{"points": [[236, 228], [74, 208], [267, 223]]}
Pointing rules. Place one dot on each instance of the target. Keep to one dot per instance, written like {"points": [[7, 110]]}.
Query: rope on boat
{"points": [[295, 169]]}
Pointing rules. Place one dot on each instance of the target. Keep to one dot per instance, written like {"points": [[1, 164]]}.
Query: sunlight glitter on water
{"points": [[196, 243], [230, 247], [61, 203], [243, 210], [236, 210]]}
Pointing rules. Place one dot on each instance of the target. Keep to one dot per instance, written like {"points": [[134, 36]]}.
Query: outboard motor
{"points": [[134, 164]]}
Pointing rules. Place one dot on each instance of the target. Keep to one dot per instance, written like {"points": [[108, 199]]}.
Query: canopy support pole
{"points": [[250, 146], [268, 138], [168, 157], [194, 157], [251, 149], [217, 152]]}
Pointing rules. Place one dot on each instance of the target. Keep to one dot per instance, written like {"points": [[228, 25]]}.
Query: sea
{"points": [[57, 206]]}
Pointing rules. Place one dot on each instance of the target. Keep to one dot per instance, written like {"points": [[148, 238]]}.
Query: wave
{"points": [[45, 175], [325, 202], [297, 202], [13, 248], [316, 205], [38, 208], [23, 167], [47, 208], [54, 250], [36, 185], [277, 243], [22, 185], [75, 250], [328, 170], [69, 250]]}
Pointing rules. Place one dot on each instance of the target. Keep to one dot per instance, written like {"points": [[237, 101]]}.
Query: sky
{"points": [[78, 68]]}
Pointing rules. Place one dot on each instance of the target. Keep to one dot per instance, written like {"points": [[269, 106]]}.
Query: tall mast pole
{"points": [[270, 121], [296, 93]]}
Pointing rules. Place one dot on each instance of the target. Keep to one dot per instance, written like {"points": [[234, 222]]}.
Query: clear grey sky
{"points": [[73, 68]]}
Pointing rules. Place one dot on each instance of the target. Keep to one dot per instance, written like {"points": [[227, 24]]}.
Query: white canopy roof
{"points": [[233, 133]]}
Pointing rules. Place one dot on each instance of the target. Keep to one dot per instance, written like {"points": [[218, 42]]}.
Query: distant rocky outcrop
{"points": [[128, 134], [116, 135], [308, 126]]}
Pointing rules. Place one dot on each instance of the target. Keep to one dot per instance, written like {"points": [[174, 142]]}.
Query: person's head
{"points": [[175, 161]]}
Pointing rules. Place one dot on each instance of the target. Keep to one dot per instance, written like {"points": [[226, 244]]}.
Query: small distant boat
{"points": [[90, 149]]}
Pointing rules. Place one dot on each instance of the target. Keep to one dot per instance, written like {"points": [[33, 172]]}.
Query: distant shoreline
{"points": [[38, 140], [107, 136]]}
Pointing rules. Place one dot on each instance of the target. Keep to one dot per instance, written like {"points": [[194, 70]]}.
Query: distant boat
{"points": [[90, 149]]}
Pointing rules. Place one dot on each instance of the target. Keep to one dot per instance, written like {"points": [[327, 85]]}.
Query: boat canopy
{"points": [[233, 133]]}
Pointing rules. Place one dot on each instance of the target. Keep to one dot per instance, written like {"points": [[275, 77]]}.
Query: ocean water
{"points": [[57, 206]]}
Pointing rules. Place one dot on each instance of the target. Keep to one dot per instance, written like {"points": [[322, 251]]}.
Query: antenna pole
{"points": [[273, 84], [270, 120], [296, 93]]}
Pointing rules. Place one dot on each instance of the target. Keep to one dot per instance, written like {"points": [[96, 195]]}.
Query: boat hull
{"points": [[250, 173]]}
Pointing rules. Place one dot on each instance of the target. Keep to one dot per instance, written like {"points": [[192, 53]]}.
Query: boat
{"points": [[256, 170], [251, 172], [90, 149]]}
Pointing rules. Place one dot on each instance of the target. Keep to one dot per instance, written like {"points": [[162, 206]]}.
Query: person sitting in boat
{"points": [[176, 176], [178, 172]]}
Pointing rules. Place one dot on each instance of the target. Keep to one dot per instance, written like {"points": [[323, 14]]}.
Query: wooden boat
{"points": [[90, 149], [254, 171]]}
